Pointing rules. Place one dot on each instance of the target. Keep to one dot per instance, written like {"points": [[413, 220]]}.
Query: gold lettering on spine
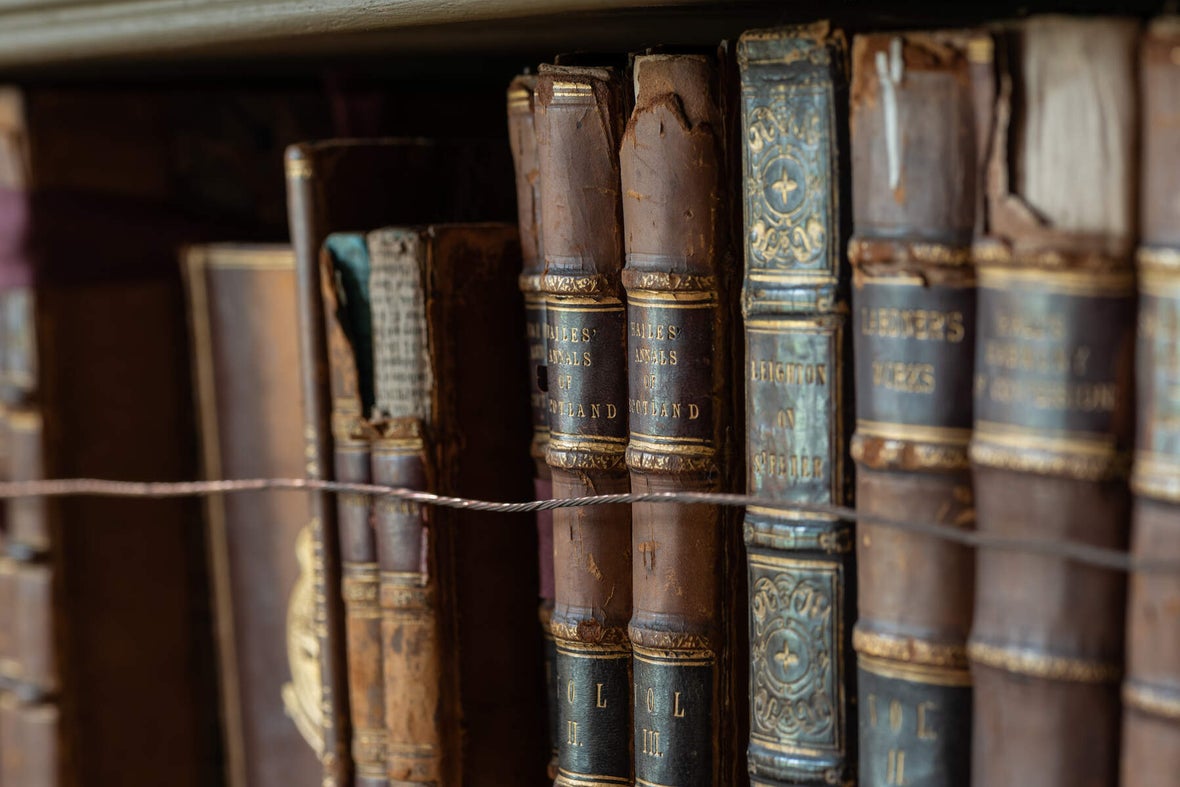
{"points": [[600, 701], [925, 732], [895, 767], [786, 373], [651, 743], [924, 325]]}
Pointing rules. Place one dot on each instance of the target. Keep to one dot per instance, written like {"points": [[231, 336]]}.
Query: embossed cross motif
{"points": [[786, 658], [784, 185]]}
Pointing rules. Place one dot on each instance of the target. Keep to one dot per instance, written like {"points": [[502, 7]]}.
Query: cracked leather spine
{"points": [[917, 149], [1151, 688], [673, 176], [580, 117], [522, 134], [345, 312], [1053, 402], [410, 626], [798, 390], [461, 648]]}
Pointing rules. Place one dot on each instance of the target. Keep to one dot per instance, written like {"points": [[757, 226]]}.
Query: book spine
{"points": [[801, 589], [358, 544], [672, 172], [1151, 689], [409, 612], [333, 740], [523, 138], [29, 754], [419, 689], [916, 182], [1053, 395], [579, 123]]}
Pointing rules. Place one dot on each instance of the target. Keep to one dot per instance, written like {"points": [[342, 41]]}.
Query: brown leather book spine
{"points": [[414, 664], [916, 183], [420, 692], [672, 171], [579, 127], [522, 135], [351, 437], [1054, 402], [305, 212], [29, 754], [798, 417], [462, 649], [1151, 689], [242, 326]]}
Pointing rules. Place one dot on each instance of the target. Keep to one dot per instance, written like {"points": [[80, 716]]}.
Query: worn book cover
{"points": [[1054, 403], [920, 111], [241, 307], [1151, 686], [802, 590]]}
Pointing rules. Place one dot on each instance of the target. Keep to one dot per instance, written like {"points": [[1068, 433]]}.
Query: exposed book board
{"points": [[917, 144], [461, 705], [1053, 401], [579, 125], [795, 295], [1151, 687], [678, 282], [345, 185], [241, 306]]}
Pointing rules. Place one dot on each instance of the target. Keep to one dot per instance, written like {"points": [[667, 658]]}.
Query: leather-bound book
{"points": [[579, 117], [673, 175], [1055, 343], [916, 185], [109, 683], [1151, 689], [344, 281], [344, 185], [795, 301], [241, 306], [461, 648], [522, 135], [28, 744]]}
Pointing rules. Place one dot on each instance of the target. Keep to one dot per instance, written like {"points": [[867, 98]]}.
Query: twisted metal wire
{"points": [[1086, 554]]}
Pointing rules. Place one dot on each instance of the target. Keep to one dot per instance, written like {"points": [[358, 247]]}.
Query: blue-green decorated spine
{"points": [[795, 303]]}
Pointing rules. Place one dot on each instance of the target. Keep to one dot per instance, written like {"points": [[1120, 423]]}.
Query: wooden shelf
{"points": [[65, 34], [58, 32]]}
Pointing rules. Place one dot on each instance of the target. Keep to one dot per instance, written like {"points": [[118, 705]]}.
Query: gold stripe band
{"points": [[1043, 665], [1152, 701], [914, 432], [914, 673], [1095, 284], [909, 650]]}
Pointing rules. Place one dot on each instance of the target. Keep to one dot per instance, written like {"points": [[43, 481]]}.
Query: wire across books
{"points": [[1086, 554]]}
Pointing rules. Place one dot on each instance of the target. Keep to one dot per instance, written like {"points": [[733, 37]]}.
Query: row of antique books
{"points": [[930, 273], [911, 269]]}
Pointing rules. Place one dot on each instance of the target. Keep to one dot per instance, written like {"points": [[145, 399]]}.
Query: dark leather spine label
{"points": [[535, 330], [1158, 367], [793, 385], [585, 345], [913, 732], [549, 654], [1053, 357], [673, 693], [671, 370], [592, 694], [798, 657], [912, 344]]}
